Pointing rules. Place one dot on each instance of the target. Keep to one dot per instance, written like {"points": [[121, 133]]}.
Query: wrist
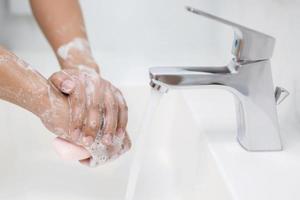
{"points": [[76, 53], [80, 64]]}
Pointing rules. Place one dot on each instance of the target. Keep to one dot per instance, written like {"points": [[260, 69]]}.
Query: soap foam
{"points": [[79, 44]]}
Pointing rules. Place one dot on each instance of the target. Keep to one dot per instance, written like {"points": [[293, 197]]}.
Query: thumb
{"points": [[63, 82]]}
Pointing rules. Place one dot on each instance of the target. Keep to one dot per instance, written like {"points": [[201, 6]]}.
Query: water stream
{"points": [[140, 143]]}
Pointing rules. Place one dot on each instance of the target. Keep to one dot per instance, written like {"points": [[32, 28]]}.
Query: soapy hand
{"points": [[84, 102], [97, 108]]}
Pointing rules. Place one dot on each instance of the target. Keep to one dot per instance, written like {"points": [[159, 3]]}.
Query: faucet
{"points": [[248, 77]]}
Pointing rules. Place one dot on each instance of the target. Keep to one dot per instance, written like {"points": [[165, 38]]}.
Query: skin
{"points": [[62, 23], [23, 86], [76, 103]]}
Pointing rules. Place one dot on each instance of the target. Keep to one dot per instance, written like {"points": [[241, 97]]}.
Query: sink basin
{"points": [[178, 163]]}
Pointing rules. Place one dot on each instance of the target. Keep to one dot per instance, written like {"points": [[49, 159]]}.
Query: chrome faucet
{"points": [[248, 76]]}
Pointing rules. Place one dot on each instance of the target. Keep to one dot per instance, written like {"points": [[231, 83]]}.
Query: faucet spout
{"points": [[182, 77]]}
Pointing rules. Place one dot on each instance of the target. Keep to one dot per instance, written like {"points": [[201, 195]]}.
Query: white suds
{"points": [[90, 71], [79, 44], [89, 90], [5, 59], [98, 151]]}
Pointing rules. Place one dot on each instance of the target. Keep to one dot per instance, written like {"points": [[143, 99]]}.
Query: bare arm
{"points": [[23, 86], [63, 25], [62, 22]]}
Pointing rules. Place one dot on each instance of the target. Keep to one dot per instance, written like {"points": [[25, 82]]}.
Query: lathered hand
{"points": [[99, 112]]}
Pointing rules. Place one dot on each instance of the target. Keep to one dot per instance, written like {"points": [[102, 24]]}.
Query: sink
{"points": [[178, 163]]}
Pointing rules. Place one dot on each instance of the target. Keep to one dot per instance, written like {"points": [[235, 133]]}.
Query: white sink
{"points": [[178, 165]]}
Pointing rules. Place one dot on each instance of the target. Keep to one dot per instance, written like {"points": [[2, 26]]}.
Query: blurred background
{"points": [[129, 36]]}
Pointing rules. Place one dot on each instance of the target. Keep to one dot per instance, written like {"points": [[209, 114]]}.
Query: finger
{"points": [[122, 114], [78, 110], [69, 151], [102, 87], [92, 125], [63, 82], [110, 115], [126, 144], [93, 92], [120, 145]]}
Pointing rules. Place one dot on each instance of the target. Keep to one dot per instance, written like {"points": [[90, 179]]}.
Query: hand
{"points": [[84, 103], [92, 100]]}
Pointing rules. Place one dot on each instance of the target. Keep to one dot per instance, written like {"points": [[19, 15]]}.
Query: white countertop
{"points": [[249, 175]]}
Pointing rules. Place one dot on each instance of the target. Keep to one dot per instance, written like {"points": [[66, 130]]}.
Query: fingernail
{"points": [[67, 86], [75, 135], [85, 161], [87, 140], [127, 145], [106, 139], [125, 148]]}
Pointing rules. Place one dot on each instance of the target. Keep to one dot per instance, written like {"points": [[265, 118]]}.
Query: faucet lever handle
{"points": [[280, 94], [248, 44]]}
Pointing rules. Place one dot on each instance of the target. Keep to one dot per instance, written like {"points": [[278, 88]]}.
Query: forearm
{"points": [[63, 25], [60, 20], [21, 85]]}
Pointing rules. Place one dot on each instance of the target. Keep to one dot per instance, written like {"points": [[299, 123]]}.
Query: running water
{"points": [[139, 150]]}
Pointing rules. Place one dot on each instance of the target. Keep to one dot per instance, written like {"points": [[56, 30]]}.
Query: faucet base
{"points": [[279, 148]]}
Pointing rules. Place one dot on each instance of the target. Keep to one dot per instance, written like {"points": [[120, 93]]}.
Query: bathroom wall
{"points": [[153, 29], [2, 18], [132, 35]]}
